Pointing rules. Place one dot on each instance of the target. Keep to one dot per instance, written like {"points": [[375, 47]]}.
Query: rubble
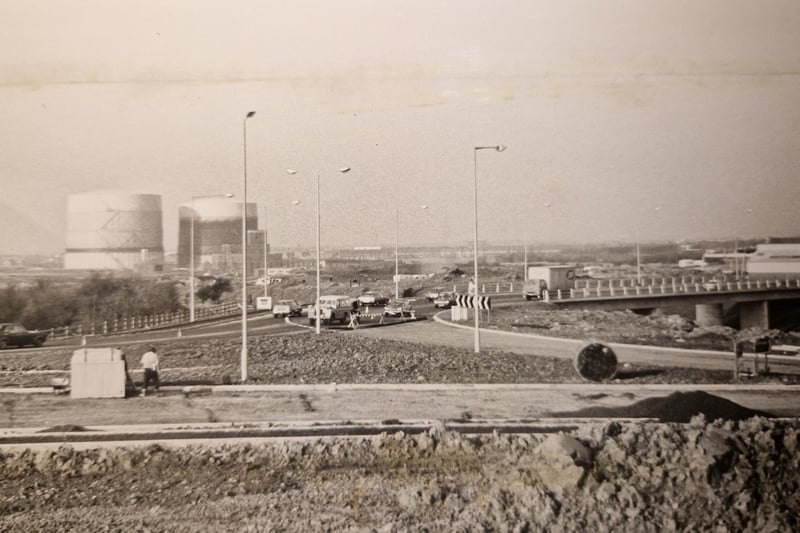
{"points": [[724, 476]]}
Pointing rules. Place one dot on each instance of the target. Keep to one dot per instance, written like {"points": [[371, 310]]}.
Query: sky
{"points": [[624, 120]]}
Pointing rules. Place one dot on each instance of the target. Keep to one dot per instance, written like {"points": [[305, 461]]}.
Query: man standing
{"points": [[150, 367]]}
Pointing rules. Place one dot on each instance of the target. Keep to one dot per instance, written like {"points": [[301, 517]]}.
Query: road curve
{"points": [[449, 334]]}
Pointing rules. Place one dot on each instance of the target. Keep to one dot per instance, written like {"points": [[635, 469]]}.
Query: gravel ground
{"points": [[612, 476], [342, 358]]}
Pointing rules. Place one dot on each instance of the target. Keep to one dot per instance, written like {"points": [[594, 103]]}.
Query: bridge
{"points": [[754, 302]]}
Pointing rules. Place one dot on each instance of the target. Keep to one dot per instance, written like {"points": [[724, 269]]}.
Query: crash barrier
{"points": [[490, 287], [97, 373], [664, 286], [136, 323], [356, 318]]}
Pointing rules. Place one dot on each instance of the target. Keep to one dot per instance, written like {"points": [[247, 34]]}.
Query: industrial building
{"points": [[774, 259], [217, 224], [114, 230]]}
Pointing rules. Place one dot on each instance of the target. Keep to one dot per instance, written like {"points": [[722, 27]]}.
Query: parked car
{"points": [[434, 293], [445, 300], [17, 335], [287, 308], [398, 308], [373, 298]]}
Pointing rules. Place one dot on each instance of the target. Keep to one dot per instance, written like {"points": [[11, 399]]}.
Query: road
{"points": [[433, 332]]}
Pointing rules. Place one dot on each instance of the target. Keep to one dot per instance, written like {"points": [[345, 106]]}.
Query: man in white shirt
{"points": [[150, 367]]}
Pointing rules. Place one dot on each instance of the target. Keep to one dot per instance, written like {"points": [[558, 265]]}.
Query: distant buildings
{"points": [[774, 259]]}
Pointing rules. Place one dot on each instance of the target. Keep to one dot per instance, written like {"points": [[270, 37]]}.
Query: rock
{"points": [[567, 445]]}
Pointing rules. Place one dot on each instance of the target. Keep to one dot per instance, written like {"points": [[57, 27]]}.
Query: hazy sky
{"points": [[661, 119]]}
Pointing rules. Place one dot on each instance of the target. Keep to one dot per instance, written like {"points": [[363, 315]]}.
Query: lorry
{"points": [[287, 308], [547, 278]]}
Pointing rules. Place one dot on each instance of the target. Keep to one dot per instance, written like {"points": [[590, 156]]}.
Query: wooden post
{"points": [[737, 356]]}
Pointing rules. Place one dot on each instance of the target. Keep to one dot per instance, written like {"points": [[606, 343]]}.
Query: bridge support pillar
{"points": [[708, 314], [754, 315]]}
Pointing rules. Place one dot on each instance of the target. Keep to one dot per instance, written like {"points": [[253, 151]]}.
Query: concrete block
{"points": [[97, 373]]}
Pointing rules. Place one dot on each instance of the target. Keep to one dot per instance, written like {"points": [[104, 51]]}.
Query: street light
{"points": [[638, 254], [191, 252], [291, 171], [739, 263], [525, 254], [498, 148], [244, 249], [266, 255], [396, 251]]}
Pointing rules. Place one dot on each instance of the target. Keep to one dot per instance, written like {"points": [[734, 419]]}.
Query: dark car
{"points": [[400, 308], [445, 300], [17, 335]]}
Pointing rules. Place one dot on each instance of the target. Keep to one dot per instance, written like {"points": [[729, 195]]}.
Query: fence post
{"points": [[105, 327], [572, 293]]}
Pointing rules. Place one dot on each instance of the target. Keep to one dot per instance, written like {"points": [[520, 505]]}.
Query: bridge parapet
{"points": [[627, 288]]}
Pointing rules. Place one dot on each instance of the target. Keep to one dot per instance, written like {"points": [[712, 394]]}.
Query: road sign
{"points": [[466, 300]]}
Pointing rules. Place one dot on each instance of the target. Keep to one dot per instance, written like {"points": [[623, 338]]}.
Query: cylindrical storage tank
{"points": [[217, 232], [707, 315], [113, 230]]}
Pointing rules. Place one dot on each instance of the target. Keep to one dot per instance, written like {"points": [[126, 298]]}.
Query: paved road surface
{"points": [[432, 332]]}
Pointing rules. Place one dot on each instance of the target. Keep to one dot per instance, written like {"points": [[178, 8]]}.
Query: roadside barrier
{"points": [[622, 288], [138, 323]]}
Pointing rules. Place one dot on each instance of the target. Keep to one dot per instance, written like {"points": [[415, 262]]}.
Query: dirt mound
{"points": [[677, 407], [725, 476]]}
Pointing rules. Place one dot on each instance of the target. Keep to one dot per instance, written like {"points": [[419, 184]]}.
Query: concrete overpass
{"points": [[749, 303]]}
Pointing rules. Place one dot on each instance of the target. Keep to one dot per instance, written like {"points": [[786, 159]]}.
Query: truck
{"points": [[547, 278], [287, 308]]}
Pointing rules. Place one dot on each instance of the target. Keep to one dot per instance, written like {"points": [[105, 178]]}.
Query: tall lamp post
{"points": [[396, 251], [266, 254], [656, 209], [317, 327], [244, 249], [498, 148], [191, 253]]}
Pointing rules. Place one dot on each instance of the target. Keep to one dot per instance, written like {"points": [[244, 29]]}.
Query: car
{"points": [[434, 293], [12, 334], [287, 308], [398, 308], [445, 300], [372, 298], [333, 308]]}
